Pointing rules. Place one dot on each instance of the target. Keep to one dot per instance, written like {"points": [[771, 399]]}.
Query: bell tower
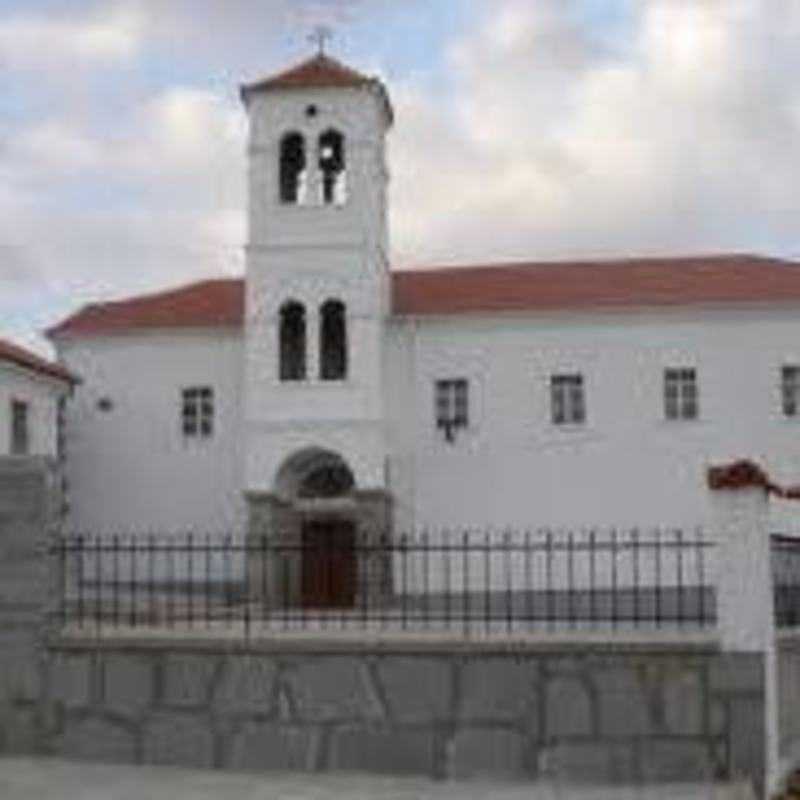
{"points": [[317, 281]]}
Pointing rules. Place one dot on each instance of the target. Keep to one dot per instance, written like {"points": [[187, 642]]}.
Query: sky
{"points": [[525, 129]]}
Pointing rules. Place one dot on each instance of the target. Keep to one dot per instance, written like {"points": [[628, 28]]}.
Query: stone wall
{"points": [[598, 714], [788, 667], [30, 505]]}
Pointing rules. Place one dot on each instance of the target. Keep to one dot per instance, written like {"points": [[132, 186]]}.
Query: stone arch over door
{"points": [[318, 529]]}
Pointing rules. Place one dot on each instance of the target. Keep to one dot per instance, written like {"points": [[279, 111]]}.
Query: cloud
{"points": [[39, 42], [556, 145], [158, 202], [543, 136]]}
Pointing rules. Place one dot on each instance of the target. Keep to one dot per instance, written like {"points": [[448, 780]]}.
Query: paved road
{"points": [[45, 779]]}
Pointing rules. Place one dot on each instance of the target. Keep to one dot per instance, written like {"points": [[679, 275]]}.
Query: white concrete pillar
{"points": [[312, 341], [745, 595], [744, 574]]}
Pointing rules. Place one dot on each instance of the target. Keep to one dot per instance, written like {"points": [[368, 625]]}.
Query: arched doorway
{"points": [[318, 486], [316, 536]]}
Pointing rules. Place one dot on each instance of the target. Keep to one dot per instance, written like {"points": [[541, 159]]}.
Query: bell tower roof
{"points": [[319, 72]]}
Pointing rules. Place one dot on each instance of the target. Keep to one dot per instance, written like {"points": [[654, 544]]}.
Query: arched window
{"points": [[293, 168], [292, 342], [332, 166], [333, 341]]}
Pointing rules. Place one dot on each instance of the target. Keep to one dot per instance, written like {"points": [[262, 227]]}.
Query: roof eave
{"points": [[246, 90]]}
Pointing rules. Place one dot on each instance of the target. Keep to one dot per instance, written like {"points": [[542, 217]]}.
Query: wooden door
{"points": [[329, 564]]}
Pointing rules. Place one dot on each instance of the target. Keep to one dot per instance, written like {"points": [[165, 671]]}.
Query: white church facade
{"points": [[326, 389]]}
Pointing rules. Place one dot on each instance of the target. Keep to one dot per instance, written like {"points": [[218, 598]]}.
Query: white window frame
{"points": [[790, 390], [568, 399], [451, 397], [20, 439], [681, 394], [198, 412]]}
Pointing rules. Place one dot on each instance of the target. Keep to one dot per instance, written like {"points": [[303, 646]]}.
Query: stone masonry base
{"points": [[600, 716]]}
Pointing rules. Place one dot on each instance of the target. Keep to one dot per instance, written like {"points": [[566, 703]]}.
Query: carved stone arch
{"points": [[314, 473]]}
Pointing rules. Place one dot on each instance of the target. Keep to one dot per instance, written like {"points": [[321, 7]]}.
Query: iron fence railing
{"points": [[465, 583], [785, 554]]}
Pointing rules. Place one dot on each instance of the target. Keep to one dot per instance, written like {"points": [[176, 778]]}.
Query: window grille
{"points": [[680, 394], [790, 390], [452, 406], [198, 412], [20, 433], [567, 399]]}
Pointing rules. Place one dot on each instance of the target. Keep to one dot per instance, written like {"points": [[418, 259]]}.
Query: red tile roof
{"points": [[627, 283], [20, 357], [208, 304], [319, 72], [534, 287]]}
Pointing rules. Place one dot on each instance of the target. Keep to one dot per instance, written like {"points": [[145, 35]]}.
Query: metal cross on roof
{"points": [[320, 36]]}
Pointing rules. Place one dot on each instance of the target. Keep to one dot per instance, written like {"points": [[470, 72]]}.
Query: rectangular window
{"points": [[198, 412], [790, 390], [452, 406], [567, 399], [680, 394], [20, 435], [61, 425]]}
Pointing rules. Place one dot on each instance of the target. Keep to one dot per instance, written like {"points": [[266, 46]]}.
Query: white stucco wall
{"points": [[131, 469], [41, 394], [627, 466], [309, 254]]}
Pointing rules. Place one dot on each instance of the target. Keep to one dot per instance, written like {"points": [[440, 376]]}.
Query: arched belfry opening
{"points": [[333, 341], [332, 167], [292, 341], [320, 531], [293, 169]]}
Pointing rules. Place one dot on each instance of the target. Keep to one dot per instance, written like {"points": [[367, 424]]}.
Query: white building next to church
{"points": [[325, 390], [32, 392]]}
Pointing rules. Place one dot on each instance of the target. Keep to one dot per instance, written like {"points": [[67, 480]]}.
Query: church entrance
{"points": [[326, 533], [329, 568]]}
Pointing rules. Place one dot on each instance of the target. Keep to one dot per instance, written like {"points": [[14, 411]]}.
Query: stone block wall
{"points": [[30, 506], [788, 668], [598, 715]]}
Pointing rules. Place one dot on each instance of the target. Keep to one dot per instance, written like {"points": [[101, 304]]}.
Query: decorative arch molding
{"points": [[313, 473], [346, 278]]}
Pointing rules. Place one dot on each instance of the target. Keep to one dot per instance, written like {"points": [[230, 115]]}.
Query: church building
{"points": [[326, 392]]}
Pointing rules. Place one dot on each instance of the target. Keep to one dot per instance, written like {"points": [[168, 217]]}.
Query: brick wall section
{"points": [[598, 715], [30, 507]]}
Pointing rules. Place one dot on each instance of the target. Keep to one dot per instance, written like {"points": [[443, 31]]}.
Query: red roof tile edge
{"points": [[211, 303], [320, 71], [745, 474], [532, 287], [14, 354]]}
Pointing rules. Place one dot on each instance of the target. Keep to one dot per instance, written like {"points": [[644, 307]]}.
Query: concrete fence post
{"points": [[745, 605]]}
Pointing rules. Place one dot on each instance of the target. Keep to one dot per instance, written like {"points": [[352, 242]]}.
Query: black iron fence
{"points": [[465, 583], [785, 551]]}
